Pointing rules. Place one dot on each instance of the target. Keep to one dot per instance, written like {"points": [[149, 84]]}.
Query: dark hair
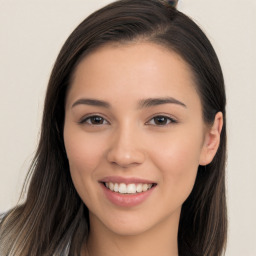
{"points": [[53, 215]]}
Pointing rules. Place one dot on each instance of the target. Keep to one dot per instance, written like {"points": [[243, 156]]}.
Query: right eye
{"points": [[94, 120]]}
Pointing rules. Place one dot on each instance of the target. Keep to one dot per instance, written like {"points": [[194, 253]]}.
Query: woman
{"points": [[132, 151]]}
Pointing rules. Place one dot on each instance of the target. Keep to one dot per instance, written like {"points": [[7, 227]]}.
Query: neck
{"points": [[159, 240]]}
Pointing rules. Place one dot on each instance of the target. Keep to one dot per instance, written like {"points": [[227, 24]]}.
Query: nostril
{"points": [[125, 158]]}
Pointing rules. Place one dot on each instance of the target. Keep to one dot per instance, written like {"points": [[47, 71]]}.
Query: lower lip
{"points": [[126, 200]]}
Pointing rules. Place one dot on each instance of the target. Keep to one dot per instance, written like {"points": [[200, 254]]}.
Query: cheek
{"points": [[177, 153], [83, 151], [179, 166], [84, 155], [178, 162]]}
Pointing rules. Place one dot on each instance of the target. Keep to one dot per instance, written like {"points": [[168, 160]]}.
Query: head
{"points": [[124, 24]]}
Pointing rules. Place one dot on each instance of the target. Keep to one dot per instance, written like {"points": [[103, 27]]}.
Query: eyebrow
{"points": [[91, 102], [159, 101], [145, 103]]}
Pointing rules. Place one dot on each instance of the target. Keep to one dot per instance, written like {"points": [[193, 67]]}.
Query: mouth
{"points": [[129, 189]]}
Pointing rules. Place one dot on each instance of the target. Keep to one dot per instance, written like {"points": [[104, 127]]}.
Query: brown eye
{"points": [[161, 120], [94, 120]]}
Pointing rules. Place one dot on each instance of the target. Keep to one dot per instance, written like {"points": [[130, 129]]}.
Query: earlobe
{"points": [[212, 140]]}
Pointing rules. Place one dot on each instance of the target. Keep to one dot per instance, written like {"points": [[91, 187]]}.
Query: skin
{"points": [[128, 142]]}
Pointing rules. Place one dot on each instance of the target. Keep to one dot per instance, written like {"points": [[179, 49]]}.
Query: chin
{"points": [[129, 229], [123, 224]]}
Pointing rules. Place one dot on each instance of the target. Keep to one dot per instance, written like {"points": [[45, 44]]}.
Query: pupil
{"points": [[97, 120], [161, 120]]}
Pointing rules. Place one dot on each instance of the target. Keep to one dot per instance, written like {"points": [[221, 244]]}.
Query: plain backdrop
{"points": [[33, 31]]}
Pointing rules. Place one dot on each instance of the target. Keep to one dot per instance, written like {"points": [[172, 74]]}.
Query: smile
{"points": [[127, 192], [132, 188]]}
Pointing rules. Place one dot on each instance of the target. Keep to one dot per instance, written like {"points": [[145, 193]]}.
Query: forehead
{"points": [[141, 69]]}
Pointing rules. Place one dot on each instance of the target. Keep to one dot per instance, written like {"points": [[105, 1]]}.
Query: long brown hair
{"points": [[53, 219]]}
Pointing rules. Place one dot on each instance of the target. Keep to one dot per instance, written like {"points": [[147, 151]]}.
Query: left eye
{"points": [[94, 120], [161, 120]]}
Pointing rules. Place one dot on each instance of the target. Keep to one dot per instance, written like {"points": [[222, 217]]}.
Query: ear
{"points": [[211, 140]]}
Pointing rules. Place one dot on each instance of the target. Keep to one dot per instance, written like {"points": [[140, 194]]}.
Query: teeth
{"points": [[111, 185], [122, 188], [144, 187], [116, 187], [129, 188], [139, 188]]}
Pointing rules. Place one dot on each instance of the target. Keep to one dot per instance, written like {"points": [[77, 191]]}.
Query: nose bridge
{"points": [[125, 148]]}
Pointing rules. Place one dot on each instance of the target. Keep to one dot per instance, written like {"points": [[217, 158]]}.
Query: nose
{"points": [[126, 149]]}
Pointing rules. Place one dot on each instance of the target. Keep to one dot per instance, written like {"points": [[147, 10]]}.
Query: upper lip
{"points": [[126, 180]]}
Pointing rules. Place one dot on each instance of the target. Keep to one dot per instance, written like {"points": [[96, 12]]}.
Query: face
{"points": [[134, 136]]}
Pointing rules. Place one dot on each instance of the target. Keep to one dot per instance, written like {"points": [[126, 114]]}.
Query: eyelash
{"points": [[85, 120], [167, 120]]}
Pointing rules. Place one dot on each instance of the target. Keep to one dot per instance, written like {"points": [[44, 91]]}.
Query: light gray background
{"points": [[33, 31]]}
